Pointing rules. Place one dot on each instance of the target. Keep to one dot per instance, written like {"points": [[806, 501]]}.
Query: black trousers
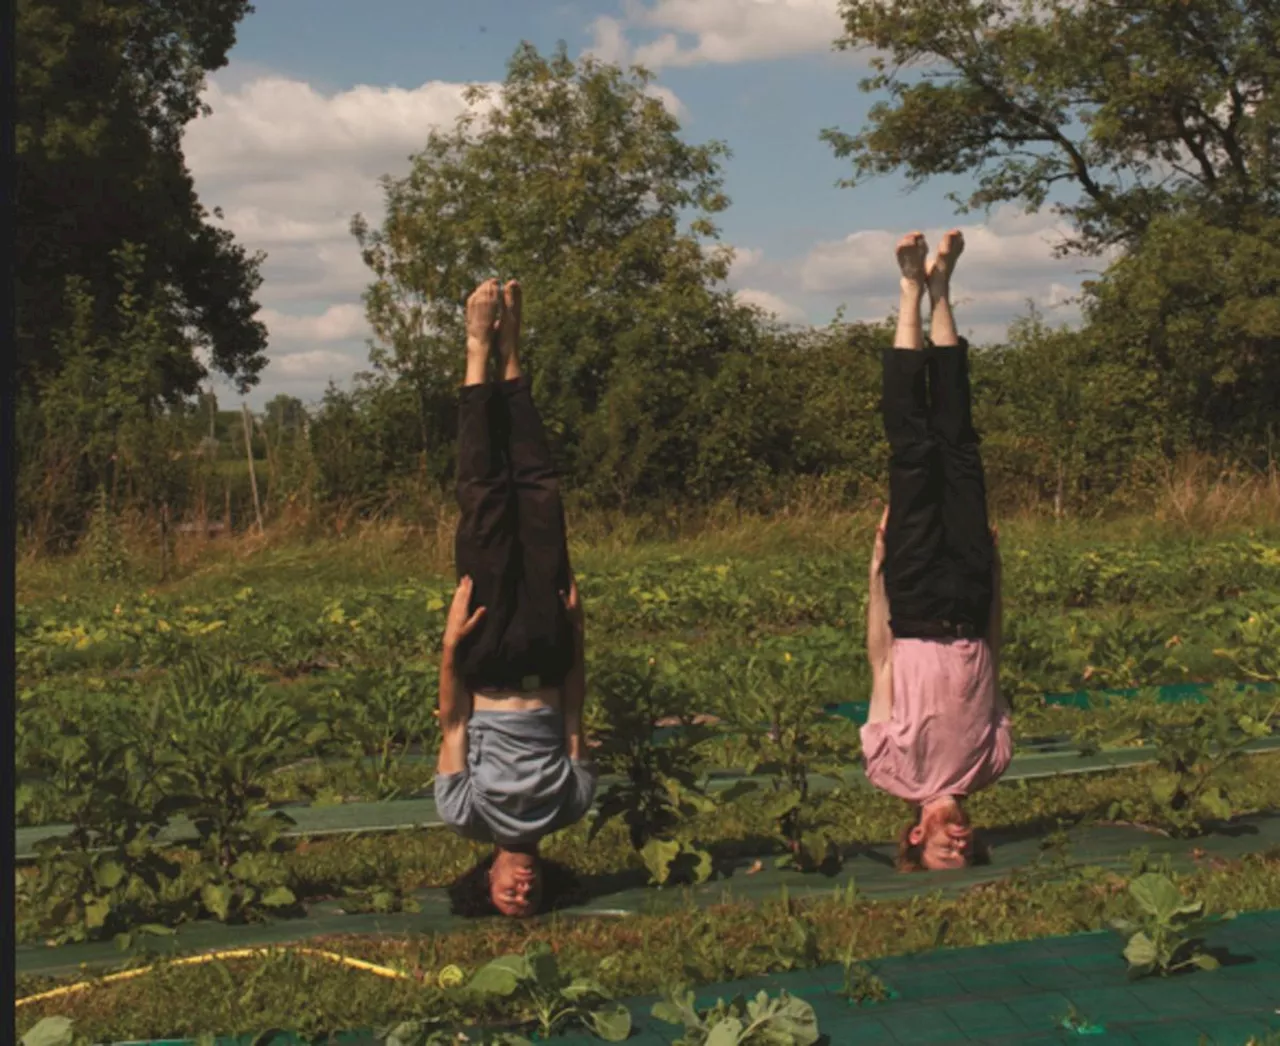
{"points": [[511, 542], [938, 547]]}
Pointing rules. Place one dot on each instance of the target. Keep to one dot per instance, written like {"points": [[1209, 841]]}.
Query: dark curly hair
{"points": [[469, 893]]}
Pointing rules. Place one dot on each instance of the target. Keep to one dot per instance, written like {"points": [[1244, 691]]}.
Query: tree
{"points": [[1143, 107], [1197, 305], [105, 88], [575, 180]]}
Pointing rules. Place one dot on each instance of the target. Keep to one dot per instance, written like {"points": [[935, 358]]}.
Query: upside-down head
{"points": [[940, 838], [513, 882]]}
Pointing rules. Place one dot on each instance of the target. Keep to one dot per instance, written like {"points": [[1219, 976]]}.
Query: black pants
{"points": [[938, 547], [511, 542]]}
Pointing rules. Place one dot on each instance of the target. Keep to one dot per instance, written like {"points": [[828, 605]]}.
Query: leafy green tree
{"points": [[1141, 108], [1065, 421], [1197, 307], [107, 418], [105, 89], [574, 180]]}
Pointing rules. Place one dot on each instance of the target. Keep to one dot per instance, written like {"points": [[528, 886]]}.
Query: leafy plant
{"points": [[228, 734], [379, 716], [105, 876], [431, 1033], [861, 984], [1166, 935], [557, 999], [660, 785], [792, 740], [50, 1031], [761, 1021], [1192, 754]]}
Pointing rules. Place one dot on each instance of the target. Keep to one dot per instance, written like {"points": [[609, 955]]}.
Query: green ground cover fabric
{"points": [[1014, 993], [1046, 759], [619, 895]]}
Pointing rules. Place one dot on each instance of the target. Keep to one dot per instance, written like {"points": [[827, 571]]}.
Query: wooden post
{"points": [[164, 542], [253, 478]]}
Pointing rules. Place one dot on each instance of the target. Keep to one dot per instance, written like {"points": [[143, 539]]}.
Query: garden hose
{"points": [[195, 960]]}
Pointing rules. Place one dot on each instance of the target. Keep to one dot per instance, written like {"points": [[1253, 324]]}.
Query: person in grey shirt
{"points": [[512, 764]]}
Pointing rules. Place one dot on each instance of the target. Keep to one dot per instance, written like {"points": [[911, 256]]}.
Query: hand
{"points": [[573, 604], [458, 625]]}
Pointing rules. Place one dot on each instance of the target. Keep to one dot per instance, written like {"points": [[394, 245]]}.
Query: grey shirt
{"points": [[520, 783]]}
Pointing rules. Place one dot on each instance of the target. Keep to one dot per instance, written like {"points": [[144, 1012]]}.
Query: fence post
{"points": [[253, 478], [164, 541]]}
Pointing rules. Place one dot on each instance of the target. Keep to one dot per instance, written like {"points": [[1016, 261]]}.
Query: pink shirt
{"points": [[947, 733]]}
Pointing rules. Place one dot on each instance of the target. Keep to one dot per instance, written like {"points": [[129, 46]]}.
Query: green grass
{"points": [[729, 942], [1125, 604]]}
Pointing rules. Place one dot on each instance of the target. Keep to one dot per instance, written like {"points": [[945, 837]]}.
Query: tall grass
{"points": [[1195, 496]]}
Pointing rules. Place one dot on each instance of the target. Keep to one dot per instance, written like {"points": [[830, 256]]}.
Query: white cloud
{"points": [[288, 166], [609, 41], [745, 259], [772, 303], [272, 120], [668, 98], [697, 32], [1007, 250], [336, 323], [316, 365], [1008, 263]]}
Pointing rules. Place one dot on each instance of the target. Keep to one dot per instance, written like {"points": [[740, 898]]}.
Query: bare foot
{"points": [[509, 332], [943, 264], [484, 312], [913, 253]]}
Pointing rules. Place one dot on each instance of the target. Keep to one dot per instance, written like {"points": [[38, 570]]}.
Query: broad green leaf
{"points": [[1215, 802], [1205, 961], [611, 1023], [108, 874], [278, 897], [657, 855], [544, 969], [96, 912], [1140, 951], [725, 1032], [217, 898], [502, 976], [1156, 894], [678, 1009], [797, 1018], [584, 988], [50, 1031]]}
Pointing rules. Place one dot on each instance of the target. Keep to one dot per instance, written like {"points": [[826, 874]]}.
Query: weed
{"points": [[761, 1021], [1165, 935]]}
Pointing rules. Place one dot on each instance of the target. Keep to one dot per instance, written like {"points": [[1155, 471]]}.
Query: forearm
{"points": [[455, 713], [455, 698], [879, 635]]}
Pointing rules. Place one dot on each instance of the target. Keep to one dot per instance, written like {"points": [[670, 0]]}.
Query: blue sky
{"points": [[323, 96]]}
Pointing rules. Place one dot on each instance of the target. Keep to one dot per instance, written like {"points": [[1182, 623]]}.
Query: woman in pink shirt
{"points": [[938, 728]]}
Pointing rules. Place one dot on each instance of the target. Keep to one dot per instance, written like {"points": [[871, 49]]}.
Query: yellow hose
{"points": [[194, 960]]}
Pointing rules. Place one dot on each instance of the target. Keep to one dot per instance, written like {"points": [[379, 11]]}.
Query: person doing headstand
{"points": [[938, 727], [512, 764]]}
